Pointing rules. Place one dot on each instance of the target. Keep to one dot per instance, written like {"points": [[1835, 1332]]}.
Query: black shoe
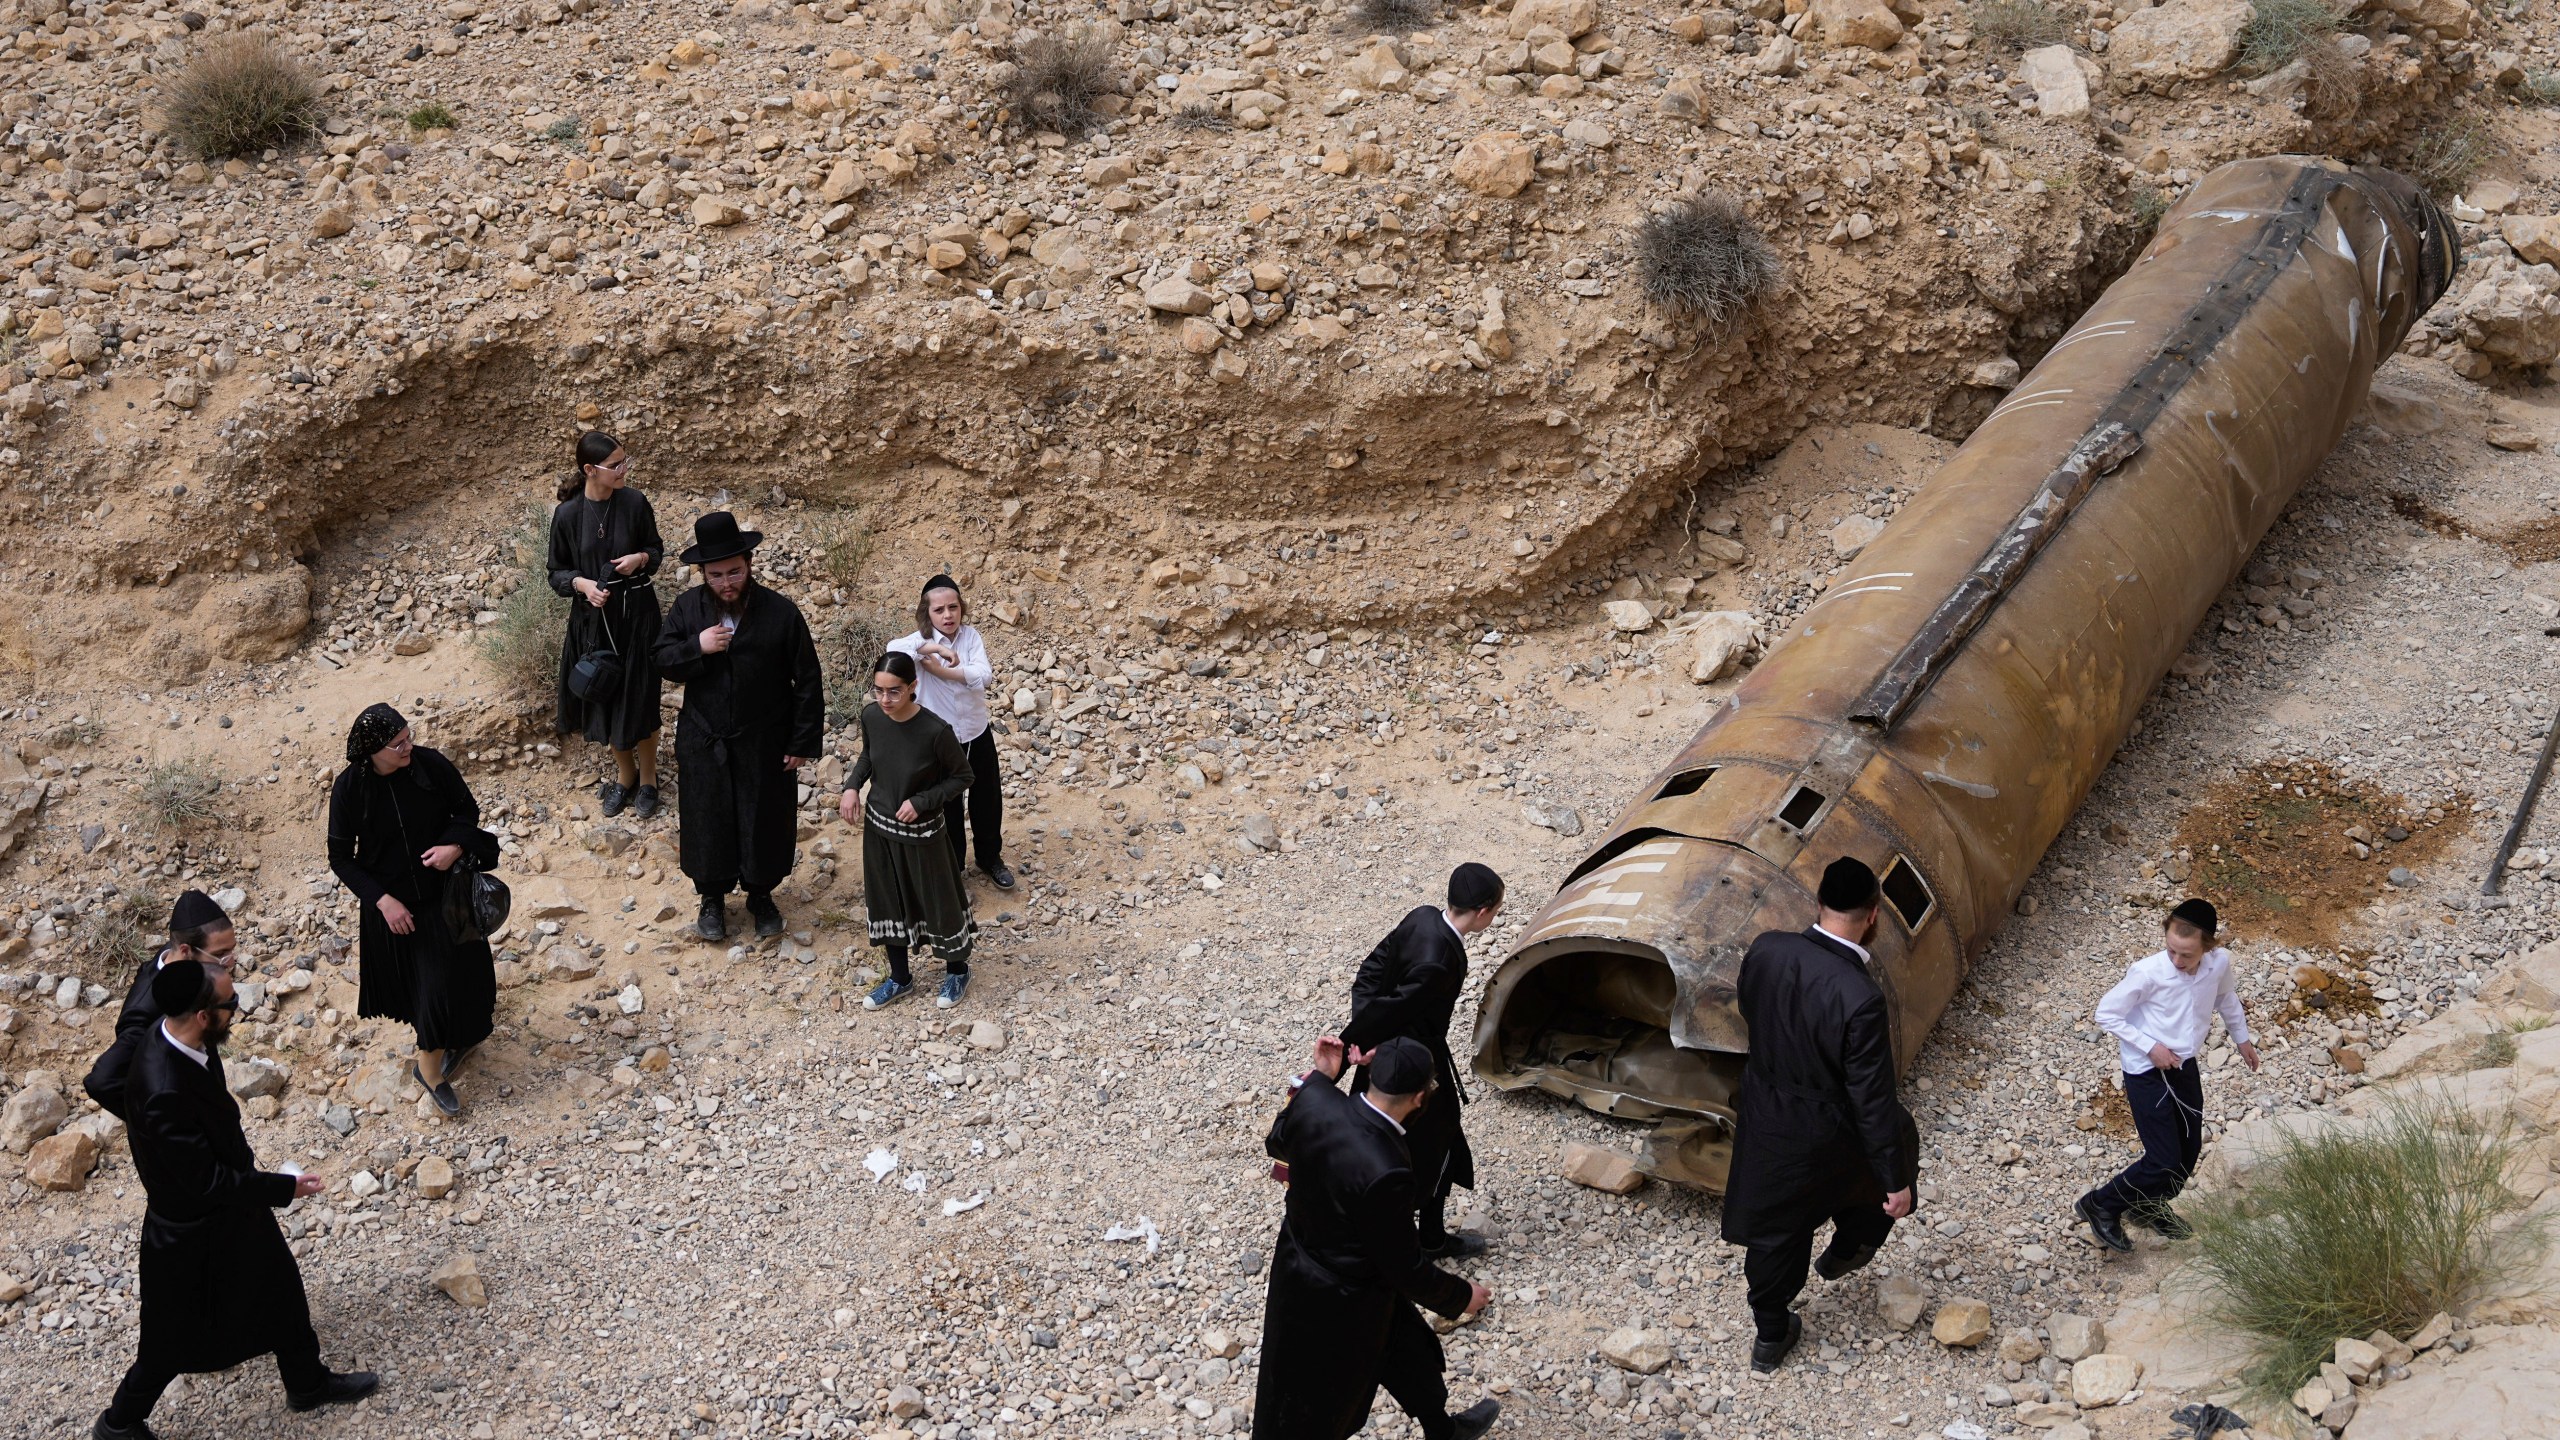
{"points": [[2108, 1228], [103, 1430], [1455, 1246], [1836, 1262], [767, 914], [453, 1060], [442, 1094], [1000, 873], [2168, 1224], [1475, 1419], [1765, 1354], [644, 802], [711, 924], [341, 1388], [614, 795]]}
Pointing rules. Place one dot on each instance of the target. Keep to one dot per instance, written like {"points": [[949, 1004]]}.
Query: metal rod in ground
{"points": [[2524, 810]]}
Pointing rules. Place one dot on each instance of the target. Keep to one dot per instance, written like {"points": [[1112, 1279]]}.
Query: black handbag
{"points": [[476, 902], [597, 677]]}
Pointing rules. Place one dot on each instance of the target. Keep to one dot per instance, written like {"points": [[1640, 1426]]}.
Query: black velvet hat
{"points": [[716, 536]]}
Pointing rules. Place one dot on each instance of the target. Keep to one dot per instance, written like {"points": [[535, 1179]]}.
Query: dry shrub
{"points": [[1394, 17], [2541, 87], [1057, 77], [178, 794], [523, 644], [2349, 1232], [1704, 257], [2443, 158], [2280, 32], [1201, 118], [2017, 24], [238, 96], [110, 939]]}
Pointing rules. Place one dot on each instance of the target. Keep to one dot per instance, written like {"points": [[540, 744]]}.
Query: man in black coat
{"points": [[755, 711], [1338, 1320], [1409, 986], [218, 1284], [198, 930], [1820, 1134]]}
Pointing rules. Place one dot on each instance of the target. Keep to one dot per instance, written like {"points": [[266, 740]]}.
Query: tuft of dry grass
{"points": [[1394, 17], [1703, 256], [238, 96], [2442, 158], [1057, 77], [2017, 24], [178, 794], [109, 940], [1200, 118]]}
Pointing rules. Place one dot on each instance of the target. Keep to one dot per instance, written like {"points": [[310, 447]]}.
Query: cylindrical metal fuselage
{"points": [[1945, 706]]}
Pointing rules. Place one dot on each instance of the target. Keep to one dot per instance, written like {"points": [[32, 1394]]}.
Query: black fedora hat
{"points": [[716, 536]]}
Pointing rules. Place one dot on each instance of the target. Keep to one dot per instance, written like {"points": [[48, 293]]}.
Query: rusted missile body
{"points": [[1945, 706]]}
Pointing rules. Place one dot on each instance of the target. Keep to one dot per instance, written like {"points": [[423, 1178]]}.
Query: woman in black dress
{"points": [[604, 552], [915, 767], [400, 818]]}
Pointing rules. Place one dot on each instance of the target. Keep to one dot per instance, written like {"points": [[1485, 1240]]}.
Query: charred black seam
{"points": [[2108, 442]]}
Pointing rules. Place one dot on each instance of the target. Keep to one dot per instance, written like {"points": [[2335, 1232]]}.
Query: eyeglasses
{"points": [[617, 465], [889, 692]]}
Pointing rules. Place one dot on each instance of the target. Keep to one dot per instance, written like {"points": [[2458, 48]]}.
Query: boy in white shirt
{"points": [[952, 672], [2159, 1013]]}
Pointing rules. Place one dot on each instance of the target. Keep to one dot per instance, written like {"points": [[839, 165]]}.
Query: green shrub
{"points": [[2541, 87], [178, 794], [433, 116], [2149, 206], [845, 654], [2016, 24], [238, 96], [523, 644], [565, 131], [1705, 257], [2357, 1231]]}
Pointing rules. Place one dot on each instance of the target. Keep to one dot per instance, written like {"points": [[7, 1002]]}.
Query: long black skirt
{"points": [[630, 714], [444, 988], [911, 887]]}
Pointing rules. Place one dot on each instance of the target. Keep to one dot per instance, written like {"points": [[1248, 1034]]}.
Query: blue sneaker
{"points": [[886, 991], [953, 987]]}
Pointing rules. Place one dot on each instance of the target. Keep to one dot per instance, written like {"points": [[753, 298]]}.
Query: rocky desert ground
{"points": [[1294, 428]]}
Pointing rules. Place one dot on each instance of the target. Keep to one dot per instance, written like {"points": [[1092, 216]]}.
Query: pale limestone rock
{"points": [[2182, 40], [1602, 1169]]}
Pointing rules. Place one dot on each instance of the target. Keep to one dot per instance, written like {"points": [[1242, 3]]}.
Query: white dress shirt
{"points": [[2157, 1003], [1381, 1114], [961, 703], [191, 1052], [1855, 948]]}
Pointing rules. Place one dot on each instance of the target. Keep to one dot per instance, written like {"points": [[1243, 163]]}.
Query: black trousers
{"points": [[2168, 1112], [1774, 1269], [300, 1370], [1413, 1371], [983, 807]]}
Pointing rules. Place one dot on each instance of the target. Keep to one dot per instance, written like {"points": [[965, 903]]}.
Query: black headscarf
{"points": [[375, 728]]}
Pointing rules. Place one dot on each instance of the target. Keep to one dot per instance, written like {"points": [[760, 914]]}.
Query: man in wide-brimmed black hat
{"points": [[754, 712]]}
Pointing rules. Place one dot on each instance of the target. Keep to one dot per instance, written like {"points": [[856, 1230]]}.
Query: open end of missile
{"points": [[1594, 1024]]}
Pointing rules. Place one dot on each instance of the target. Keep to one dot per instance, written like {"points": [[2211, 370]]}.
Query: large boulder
{"points": [[2182, 40], [257, 617], [1857, 24], [2451, 19], [2507, 1383], [2535, 238], [2062, 91], [2511, 317], [1498, 163], [62, 1161], [31, 1114]]}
